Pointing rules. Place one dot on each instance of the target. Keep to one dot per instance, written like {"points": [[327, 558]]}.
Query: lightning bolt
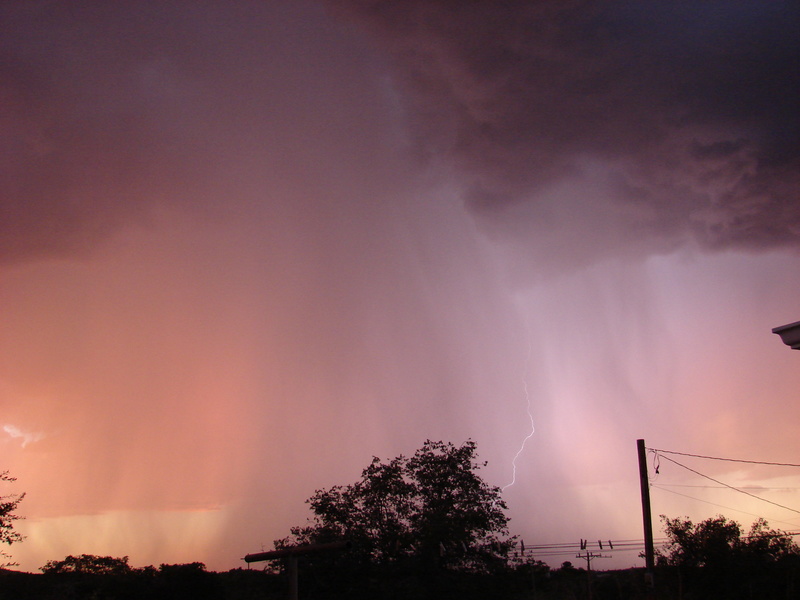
{"points": [[530, 417]]}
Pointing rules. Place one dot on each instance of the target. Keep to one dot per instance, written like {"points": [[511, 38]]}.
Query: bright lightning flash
{"points": [[530, 417]]}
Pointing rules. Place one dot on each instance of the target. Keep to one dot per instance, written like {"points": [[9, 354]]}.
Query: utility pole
{"points": [[588, 557], [291, 554], [644, 482]]}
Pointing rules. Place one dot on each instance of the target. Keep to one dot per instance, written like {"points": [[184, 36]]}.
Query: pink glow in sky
{"points": [[246, 246]]}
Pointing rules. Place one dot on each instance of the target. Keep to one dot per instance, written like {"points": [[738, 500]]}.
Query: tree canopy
{"points": [[715, 558], [719, 542], [8, 506], [432, 508], [88, 564]]}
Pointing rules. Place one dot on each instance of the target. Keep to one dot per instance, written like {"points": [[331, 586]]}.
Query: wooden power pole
{"points": [[291, 554], [644, 482]]}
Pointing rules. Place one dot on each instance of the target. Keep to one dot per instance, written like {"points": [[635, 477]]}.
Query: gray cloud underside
{"points": [[110, 110], [84, 122], [573, 126], [681, 120]]}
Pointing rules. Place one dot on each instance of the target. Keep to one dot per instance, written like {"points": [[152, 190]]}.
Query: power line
{"points": [[576, 545], [568, 548], [730, 486], [751, 462], [744, 487], [661, 487]]}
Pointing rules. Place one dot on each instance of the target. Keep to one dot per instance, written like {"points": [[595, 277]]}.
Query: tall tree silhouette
{"points": [[431, 508]]}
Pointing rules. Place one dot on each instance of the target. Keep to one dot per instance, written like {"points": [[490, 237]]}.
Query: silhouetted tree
{"points": [[8, 504], [88, 564], [765, 545], [190, 581], [715, 559], [710, 542], [720, 541], [431, 509]]}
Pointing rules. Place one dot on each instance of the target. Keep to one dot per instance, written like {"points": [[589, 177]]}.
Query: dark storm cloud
{"points": [[670, 120], [85, 113], [108, 110], [682, 115]]}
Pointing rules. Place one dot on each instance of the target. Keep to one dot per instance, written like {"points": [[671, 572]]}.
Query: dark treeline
{"points": [[169, 582], [190, 582], [775, 582]]}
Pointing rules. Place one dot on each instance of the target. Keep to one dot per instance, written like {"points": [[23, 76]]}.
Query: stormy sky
{"points": [[245, 246]]}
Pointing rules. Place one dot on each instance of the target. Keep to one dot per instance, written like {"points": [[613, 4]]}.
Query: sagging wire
{"points": [[726, 485]]}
